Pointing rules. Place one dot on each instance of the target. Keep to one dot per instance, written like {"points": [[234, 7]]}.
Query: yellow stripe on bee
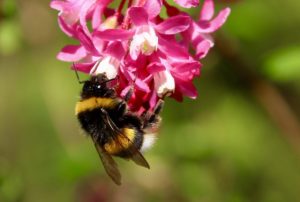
{"points": [[94, 102], [122, 143]]}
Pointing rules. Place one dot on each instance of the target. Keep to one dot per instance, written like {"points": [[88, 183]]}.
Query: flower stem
{"points": [[171, 10], [120, 8], [129, 4], [126, 21]]}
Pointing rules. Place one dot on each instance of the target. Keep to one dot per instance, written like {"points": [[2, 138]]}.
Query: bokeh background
{"points": [[238, 142]]}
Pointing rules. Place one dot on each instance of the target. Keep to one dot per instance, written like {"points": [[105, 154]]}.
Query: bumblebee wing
{"points": [[139, 159], [134, 154], [109, 164]]}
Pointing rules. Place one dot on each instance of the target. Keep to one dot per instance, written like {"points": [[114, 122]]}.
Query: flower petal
{"points": [[71, 11], [134, 50], [58, 5], [144, 41], [85, 40], [116, 50], [187, 88], [85, 7], [164, 83], [153, 100], [186, 70], [114, 34], [208, 10], [83, 67], [172, 49], [155, 67], [108, 66], [138, 16], [174, 25], [142, 85], [127, 73], [125, 90], [216, 23], [67, 29], [96, 18], [202, 48], [153, 8], [99, 9], [71, 53], [187, 3]]}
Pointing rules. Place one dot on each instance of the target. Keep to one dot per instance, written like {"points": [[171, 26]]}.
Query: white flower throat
{"points": [[144, 40], [108, 66]]}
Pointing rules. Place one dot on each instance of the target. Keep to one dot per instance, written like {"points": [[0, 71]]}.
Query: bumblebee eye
{"points": [[98, 86]]}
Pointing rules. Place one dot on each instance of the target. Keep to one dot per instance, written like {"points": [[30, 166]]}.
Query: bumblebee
{"points": [[114, 129]]}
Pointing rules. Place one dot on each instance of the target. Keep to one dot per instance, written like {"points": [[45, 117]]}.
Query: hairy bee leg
{"points": [[121, 108], [156, 111], [159, 107], [109, 93], [152, 121]]}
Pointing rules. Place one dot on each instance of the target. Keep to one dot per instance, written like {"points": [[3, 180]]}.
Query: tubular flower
{"points": [[145, 41], [138, 47], [199, 31]]}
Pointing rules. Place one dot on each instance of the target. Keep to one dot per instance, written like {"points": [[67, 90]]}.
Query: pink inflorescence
{"points": [[147, 52]]}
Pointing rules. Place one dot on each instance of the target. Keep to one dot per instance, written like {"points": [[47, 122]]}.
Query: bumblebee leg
{"points": [[152, 121], [121, 108], [109, 93], [159, 107], [156, 111]]}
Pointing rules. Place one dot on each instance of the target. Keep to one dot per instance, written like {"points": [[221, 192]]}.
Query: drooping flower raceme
{"points": [[139, 47]]}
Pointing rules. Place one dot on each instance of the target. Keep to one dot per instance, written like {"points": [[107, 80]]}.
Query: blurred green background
{"points": [[238, 142]]}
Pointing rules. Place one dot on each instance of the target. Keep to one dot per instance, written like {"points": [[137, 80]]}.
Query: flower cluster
{"points": [[147, 53]]}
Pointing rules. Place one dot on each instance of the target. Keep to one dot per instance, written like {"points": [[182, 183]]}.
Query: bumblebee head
{"points": [[95, 87]]}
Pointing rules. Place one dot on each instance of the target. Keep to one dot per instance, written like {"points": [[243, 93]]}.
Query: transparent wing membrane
{"points": [[109, 164]]}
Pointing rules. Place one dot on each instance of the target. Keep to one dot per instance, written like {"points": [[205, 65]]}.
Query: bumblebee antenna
{"points": [[77, 75]]}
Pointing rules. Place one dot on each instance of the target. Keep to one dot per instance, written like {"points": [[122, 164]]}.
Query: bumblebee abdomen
{"points": [[95, 102], [123, 143]]}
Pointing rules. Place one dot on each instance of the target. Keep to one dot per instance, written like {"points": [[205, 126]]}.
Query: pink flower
{"points": [[72, 11], [110, 62], [164, 83], [199, 32], [147, 53], [182, 3], [144, 41], [147, 33], [181, 72], [100, 51]]}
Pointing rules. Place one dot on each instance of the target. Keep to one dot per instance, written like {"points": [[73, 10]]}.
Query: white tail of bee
{"points": [[149, 140]]}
